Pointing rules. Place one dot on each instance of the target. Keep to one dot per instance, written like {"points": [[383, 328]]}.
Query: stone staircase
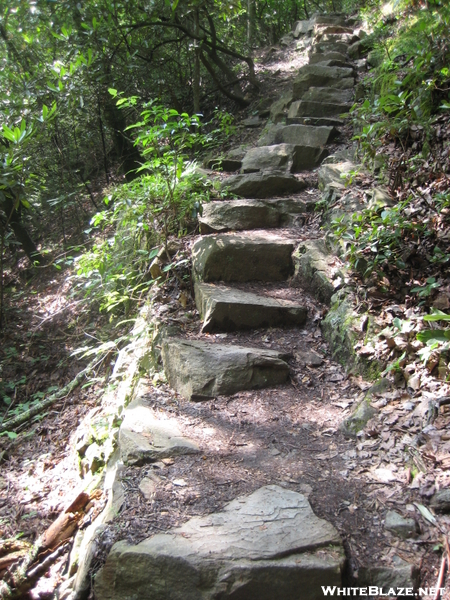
{"points": [[268, 544]]}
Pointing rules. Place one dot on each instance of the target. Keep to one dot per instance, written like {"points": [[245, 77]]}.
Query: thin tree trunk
{"points": [[196, 74], [20, 232], [250, 22]]}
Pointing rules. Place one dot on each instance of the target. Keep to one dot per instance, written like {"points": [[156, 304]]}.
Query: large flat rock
{"points": [[200, 370], [308, 108], [264, 546], [147, 436], [226, 309], [306, 158], [235, 215], [263, 185], [268, 158], [304, 135], [247, 257], [321, 76]]}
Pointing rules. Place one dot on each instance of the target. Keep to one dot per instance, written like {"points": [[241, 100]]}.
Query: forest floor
{"points": [[290, 435]]}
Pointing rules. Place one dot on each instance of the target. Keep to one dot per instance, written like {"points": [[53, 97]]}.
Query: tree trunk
{"points": [[20, 232], [250, 22], [196, 73]]}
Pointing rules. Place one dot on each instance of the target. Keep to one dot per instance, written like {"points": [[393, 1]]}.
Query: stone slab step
{"points": [[250, 257], [318, 121], [263, 185], [268, 158], [299, 135], [199, 370], [227, 309], [146, 436], [307, 108], [267, 545], [321, 76], [321, 57], [236, 215]]}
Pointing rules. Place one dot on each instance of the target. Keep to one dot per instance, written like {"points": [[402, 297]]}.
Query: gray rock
{"points": [[359, 418], [334, 174], [259, 547], [319, 76], [224, 164], [357, 50], [403, 575], [328, 95], [306, 158], [307, 108], [268, 136], [316, 121], [278, 108], [375, 58], [268, 158], [263, 185], [335, 37], [309, 358], [314, 269], [246, 257], [329, 46], [227, 309], [305, 135], [146, 437], [329, 20], [252, 122], [402, 527], [200, 370], [321, 57], [441, 501], [302, 28], [235, 215]]}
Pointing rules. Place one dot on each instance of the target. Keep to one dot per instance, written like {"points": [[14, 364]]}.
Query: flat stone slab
{"points": [[305, 135], [318, 58], [268, 158], [224, 164], [236, 215], [247, 257], [259, 547], [227, 309], [306, 158], [321, 76], [334, 174], [200, 370], [147, 436], [263, 185], [307, 108]]}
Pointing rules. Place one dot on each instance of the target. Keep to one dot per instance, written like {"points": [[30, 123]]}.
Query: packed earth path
{"points": [[257, 467]]}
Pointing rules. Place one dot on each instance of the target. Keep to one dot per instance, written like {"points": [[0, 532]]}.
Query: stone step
{"points": [[228, 309], [237, 215], [317, 121], [147, 435], [289, 157], [299, 135], [308, 108], [319, 58], [267, 545], [263, 185], [200, 370], [320, 76], [249, 257]]}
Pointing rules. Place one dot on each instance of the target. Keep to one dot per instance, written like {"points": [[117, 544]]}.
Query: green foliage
{"points": [[373, 239], [142, 215]]}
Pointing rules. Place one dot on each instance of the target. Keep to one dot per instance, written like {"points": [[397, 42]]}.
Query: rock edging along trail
{"points": [[267, 543]]}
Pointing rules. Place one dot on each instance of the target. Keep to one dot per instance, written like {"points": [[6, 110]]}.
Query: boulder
{"points": [[227, 309], [278, 108], [301, 28], [306, 158], [235, 215], [330, 174], [263, 185], [307, 108], [321, 76], [200, 370], [316, 121], [405, 528], [263, 546], [248, 257], [329, 46], [315, 269], [268, 158], [305, 135], [224, 164], [147, 435], [440, 502], [318, 58]]}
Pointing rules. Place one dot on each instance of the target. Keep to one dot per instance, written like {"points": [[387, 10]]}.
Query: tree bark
{"points": [[196, 71], [22, 236]]}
